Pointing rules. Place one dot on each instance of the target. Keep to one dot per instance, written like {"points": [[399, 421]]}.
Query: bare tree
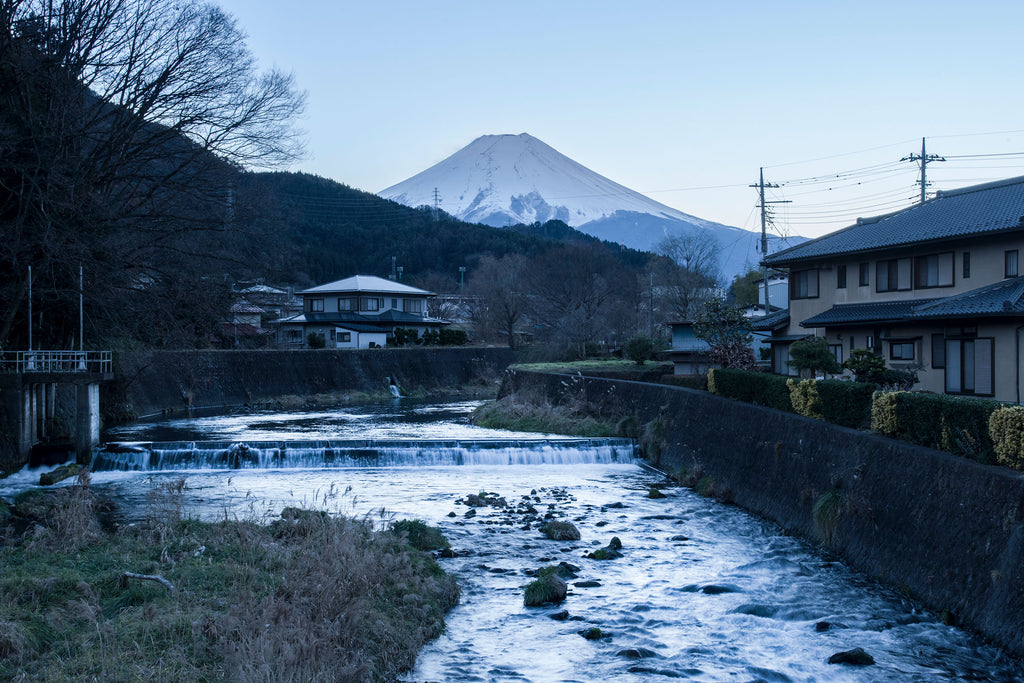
{"points": [[122, 126], [499, 286], [693, 273]]}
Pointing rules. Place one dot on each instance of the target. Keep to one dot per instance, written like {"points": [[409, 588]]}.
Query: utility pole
{"points": [[923, 158], [765, 219], [437, 203]]}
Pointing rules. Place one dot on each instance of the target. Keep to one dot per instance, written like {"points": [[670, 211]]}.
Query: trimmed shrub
{"points": [[954, 424], [761, 388], [836, 401], [450, 337], [1006, 427], [639, 349], [804, 396]]}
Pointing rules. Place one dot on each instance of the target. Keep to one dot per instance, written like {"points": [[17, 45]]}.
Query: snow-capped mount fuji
{"points": [[500, 180]]}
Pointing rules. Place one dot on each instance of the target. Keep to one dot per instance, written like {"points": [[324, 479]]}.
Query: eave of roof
{"points": [[968, 212], [366, 284], [1004, 299]]}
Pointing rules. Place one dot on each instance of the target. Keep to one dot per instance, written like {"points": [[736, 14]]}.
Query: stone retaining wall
{"points": [[944, 530], [162, 382]]}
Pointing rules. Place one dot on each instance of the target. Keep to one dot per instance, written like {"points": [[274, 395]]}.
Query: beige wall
{"points": [[987, 260]]}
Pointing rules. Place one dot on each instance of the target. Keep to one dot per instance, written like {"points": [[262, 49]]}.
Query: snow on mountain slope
{"points": [[501, 180]]}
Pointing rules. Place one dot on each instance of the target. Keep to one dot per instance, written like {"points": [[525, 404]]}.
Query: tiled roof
{"points": [[869, 312], [1002, 299], [367, 284], [773, 321], [1005, 298], [387, 319], [246, 307], [956, 214]]}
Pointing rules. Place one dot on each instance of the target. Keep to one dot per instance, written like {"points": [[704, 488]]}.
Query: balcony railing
{"points": [[64, 362]]}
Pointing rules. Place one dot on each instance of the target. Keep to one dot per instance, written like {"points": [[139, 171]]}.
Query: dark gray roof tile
{"points": [[967, 212]]}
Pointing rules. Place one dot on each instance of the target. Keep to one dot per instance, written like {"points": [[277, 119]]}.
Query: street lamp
{"points": [[462, 276]]}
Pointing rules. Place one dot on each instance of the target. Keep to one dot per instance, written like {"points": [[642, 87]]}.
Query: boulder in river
{"points": [[546, 589], [561, 531], [855, 657], [609, 552]]}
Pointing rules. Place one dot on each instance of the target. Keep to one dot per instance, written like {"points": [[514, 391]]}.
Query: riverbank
{"points": [[941, 529], [149, 383], [178, 599]]}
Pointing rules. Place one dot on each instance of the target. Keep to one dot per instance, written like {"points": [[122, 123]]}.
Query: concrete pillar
{"points": [[87, 422], [39, 410], [26, 422], [51, 408]]}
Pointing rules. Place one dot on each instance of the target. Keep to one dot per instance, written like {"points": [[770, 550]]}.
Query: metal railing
{"points": [[65, 362]]}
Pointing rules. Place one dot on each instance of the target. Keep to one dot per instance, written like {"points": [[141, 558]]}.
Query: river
{"points": [[703, 591]]}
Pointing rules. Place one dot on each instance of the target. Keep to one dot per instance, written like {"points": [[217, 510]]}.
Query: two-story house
{"points": [[936, 286], [357, 312]]}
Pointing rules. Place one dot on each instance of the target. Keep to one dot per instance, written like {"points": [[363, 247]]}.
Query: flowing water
{"points": [[702, 592]]}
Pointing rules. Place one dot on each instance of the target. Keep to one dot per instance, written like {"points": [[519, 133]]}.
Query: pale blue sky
{"points": [[663, 97]]}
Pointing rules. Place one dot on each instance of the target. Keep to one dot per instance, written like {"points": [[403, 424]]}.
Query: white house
{"points": [[358, 312]]}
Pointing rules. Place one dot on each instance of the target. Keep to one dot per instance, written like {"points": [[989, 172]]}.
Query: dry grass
{"points": [[310, 597]]}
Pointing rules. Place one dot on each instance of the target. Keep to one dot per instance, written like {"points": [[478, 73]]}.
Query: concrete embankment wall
{"points": [[155, 382], [942, 529]]}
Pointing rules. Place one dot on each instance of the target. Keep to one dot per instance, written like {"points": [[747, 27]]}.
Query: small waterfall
{"points": [[184, 455]]}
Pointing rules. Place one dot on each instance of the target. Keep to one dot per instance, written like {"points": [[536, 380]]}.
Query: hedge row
{"points": [[760, 388], [954, 424], [984, 430]]}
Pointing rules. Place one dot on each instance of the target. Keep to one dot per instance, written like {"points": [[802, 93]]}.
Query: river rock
{"points": [[636, 653], [593, 633], [855, 657], [609, 552], [560, 616], [587, 584], [561, 531], [655, 494], [546, 589]]}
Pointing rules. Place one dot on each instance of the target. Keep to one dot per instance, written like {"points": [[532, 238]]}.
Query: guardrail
{"points": [[63, 362]]}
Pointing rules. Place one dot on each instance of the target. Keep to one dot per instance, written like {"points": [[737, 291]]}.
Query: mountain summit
{"points": [[500, 180]]}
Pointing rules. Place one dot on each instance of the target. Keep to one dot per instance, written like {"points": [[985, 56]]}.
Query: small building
{"points": [[690, 355], [358, 312]]}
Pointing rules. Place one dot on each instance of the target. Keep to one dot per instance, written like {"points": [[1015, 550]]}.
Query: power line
{"points": [[923, 158]]}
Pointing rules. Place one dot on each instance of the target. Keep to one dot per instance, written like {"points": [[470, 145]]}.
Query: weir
{"points": [[31, 382], [186, 455]]}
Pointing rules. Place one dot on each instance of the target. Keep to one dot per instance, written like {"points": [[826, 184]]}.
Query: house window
{"points": [[901, 350], [332, 335], [892, 275], [1011, 260], [394, 303], [870, 345], [837, 352], [938, 351], [346, 304], [934, 270], [967, 264], [316, 305], [864, 279], [370, 304], [803, 284], [344, 336], [969, 367], [841, 277], [413, 306]]}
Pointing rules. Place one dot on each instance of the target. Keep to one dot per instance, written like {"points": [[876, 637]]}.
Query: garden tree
{"points": [[123, 124], [639, 349], [867, 366], [728, 332], [573, 286], [499, 288], [690, 273], [813, 354], [445, 305], [744, 288]]}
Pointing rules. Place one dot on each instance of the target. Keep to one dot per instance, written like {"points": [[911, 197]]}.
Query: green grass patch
{"points": [[599, 367], [524, 416], [309, 597]]}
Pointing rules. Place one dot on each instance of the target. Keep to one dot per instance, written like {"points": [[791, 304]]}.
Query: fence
{"points": [[63, 362]]}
